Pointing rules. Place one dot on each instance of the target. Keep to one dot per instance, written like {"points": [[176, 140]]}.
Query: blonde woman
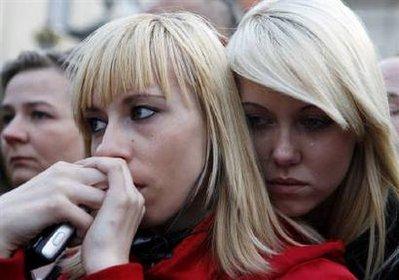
{"points": [[163, 123], [319, 117]]}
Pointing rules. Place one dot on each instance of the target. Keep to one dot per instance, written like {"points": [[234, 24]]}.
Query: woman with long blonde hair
{"points": [[163, 122], [319, 117]]}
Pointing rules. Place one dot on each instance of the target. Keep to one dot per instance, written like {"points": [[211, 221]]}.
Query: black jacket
{"points": [[356, 252]]}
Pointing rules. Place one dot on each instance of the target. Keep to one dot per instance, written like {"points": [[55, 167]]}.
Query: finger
{"points": [[86, 195], [119, 176], [76, 216], [121, 196], [85, 175]]}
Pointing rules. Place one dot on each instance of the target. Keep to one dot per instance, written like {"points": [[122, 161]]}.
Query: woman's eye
{"points": [[258, 122], [141, 112], [95, 125], [394, 110], [315, 123], [39, 115], [6, 118]]}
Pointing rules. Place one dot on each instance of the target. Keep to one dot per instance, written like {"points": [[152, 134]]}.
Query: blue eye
{"points": [[315, 123], [141, 112], [95, 125]]}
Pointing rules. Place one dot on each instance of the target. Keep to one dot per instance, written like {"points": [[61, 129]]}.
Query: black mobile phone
{"points": [[46, 248]]}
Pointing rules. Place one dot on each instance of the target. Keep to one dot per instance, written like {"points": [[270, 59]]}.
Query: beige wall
{"points": [[21, 19]]}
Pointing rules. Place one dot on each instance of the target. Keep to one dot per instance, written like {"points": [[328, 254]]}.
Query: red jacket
{"points": [[191, 260]]}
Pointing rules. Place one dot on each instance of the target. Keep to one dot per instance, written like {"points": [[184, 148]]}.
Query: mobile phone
{"points": [[46, 248]]}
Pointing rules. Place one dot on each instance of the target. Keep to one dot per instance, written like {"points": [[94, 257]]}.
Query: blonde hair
{"points": [[136, 52], [317, 51]]}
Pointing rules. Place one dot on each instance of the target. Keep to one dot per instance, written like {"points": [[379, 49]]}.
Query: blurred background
{"points": [[60, 24]]}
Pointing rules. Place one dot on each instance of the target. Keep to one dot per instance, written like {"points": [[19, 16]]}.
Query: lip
{"points": [[286, 186], [20, 160]]}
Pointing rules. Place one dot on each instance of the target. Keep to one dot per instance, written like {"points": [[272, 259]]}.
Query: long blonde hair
{"points": [[136, 52], [318, 51]]}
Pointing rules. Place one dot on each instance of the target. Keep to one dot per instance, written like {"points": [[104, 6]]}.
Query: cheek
{"points": [[174, 161], [59, 141], [328, 159], [263, 146]]}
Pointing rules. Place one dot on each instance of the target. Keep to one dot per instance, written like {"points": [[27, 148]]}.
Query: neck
{"points": [[187, 217]]}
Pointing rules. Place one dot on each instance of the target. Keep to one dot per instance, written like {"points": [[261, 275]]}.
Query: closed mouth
{"points": [[286, 186]]}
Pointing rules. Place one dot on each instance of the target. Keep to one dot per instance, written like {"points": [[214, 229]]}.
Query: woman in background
{"points": [[37, 126], [319, 118]]}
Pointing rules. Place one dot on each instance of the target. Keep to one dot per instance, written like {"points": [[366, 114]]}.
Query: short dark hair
{"points": [[29, 60]]}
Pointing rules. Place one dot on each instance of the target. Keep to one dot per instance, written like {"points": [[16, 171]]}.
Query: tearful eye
{"points": [[95, 125], [316, 123], [258, 122], [141, 112]]}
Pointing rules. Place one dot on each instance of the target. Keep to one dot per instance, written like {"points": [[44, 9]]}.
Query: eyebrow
{"points": [[129, 100], [142, 97], [28, 104], [255, 105]]}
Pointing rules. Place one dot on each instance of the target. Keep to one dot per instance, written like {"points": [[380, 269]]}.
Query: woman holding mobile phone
{"points": [[162, 122]]}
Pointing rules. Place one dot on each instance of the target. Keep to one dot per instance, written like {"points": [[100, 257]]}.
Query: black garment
{"points": [[151, 248], [356, 252]]}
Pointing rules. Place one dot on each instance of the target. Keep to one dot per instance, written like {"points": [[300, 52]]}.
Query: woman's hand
{"points": [[52, 197], [108, 240]]}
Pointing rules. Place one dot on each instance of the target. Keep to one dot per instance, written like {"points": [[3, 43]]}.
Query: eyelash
{"points": [[35, 115], [307, 123], [96, 125], [6, 118], [258, 122], [92, 122], [39, 115], [152, 111], [315, 123]]}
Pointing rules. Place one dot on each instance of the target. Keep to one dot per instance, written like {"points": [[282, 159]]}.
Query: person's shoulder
{"points": [[319, 268], [319, 261]]}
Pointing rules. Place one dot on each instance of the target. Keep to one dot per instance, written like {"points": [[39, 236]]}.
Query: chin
{"points": [[20, 177], [16, 181], [149, 221], [293, 211]]}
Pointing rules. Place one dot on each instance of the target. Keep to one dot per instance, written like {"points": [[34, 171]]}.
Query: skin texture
{"points": [[303, 153], [158, 149], [162, 140], [49, 198], [37, 124]]}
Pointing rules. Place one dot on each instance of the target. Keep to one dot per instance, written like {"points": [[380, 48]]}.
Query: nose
{"points": [[115, 142], [286, 152], [16, 131]]}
